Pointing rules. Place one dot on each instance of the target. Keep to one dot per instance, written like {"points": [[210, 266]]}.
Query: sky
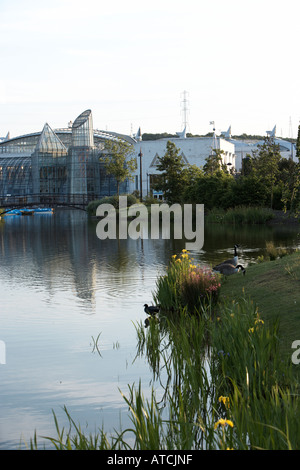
{"points": [[130, 62]]}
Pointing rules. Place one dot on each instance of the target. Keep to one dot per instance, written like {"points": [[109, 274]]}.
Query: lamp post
{"points": [[141, 178]]}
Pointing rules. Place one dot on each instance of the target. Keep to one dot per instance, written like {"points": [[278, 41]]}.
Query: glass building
{"points": [[49, 162], [82, 130], [60, 166]]}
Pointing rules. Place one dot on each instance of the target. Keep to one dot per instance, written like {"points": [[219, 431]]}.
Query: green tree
{"points": [[171, 165], [119, 160], [291, 192], [265, 163], [250, 191], [212, 191], [190, 175], [298, 145], [214, 163], [247, 165]]}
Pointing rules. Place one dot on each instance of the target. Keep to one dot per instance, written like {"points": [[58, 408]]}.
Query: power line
{"points": [[185, 110]]}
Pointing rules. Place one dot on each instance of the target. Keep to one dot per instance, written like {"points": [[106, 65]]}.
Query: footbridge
{"points": [[73, 201]]}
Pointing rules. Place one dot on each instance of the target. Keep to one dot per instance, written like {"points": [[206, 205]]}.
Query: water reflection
{"points": [[61, 286], [219, 241], [50, 250]]}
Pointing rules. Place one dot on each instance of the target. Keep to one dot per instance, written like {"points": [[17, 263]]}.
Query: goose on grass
{"points": [[233, 261], [229, 269]]}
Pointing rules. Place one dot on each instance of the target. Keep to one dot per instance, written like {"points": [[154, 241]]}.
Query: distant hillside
{"points": [[166, 135]]}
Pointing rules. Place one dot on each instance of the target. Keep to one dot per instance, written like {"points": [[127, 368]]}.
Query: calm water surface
{"points": [[60, 288]]}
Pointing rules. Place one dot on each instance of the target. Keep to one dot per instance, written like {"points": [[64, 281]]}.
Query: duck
{"points": [[233, 261], [227, 269], [151, 310]]}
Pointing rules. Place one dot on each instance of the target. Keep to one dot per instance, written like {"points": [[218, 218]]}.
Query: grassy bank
{"points": [[274, 287]]}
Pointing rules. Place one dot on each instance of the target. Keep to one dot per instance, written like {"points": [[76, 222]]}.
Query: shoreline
{"points": [[283, 218]]}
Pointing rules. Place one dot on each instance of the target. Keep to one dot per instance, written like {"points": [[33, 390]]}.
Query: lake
{"points": [[61, 289]]}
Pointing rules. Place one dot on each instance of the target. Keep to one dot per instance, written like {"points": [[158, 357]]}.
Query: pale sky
{"points": [[130, 62]]}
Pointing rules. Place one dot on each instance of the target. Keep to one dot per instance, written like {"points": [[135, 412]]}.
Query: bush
{"points": [[113, 200], [187, 286], [148, 200], [212, 191], [273, 252], [198, 287]]}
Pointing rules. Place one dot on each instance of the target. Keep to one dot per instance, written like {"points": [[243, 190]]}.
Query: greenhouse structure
{"points": [[59, 166]]}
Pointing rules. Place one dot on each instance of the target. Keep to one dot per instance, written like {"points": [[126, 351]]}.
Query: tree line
{"points": [[266, 179]]}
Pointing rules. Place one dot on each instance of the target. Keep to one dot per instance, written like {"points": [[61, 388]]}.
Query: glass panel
{"points": [[82, 130], [50, 143]]}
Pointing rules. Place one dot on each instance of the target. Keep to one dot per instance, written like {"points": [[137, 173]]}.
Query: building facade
{"points": [[245, 147], [193, 150]]}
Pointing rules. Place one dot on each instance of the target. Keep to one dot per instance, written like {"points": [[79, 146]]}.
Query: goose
{"points": [[233, 261], [151, 310], [228, 269]]}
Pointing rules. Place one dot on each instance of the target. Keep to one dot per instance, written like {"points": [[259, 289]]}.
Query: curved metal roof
{"points": [[81, 119], [61, 132]]}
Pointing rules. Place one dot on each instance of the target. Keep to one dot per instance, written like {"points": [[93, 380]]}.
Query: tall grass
{"points": [[228, 385], [224, 382], [264, 403], [240, 215]]}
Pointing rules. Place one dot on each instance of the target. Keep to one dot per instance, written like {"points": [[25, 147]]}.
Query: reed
{"points": [[74, 438], [240, 215], [263, 393], [273, 252], [227, 383]]}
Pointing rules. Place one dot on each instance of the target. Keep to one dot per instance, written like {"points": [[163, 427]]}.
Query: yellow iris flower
{"points": [[223, 422]]}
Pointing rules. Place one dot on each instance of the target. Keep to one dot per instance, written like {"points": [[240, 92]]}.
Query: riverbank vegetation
{"points": [[187, 285], [274, 287], [225, 368], [240, 215]]}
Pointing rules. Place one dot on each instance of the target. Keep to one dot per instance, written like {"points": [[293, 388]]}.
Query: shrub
{"points": [[113, 200], [187, 285], [199, 286], [273, 252]]}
